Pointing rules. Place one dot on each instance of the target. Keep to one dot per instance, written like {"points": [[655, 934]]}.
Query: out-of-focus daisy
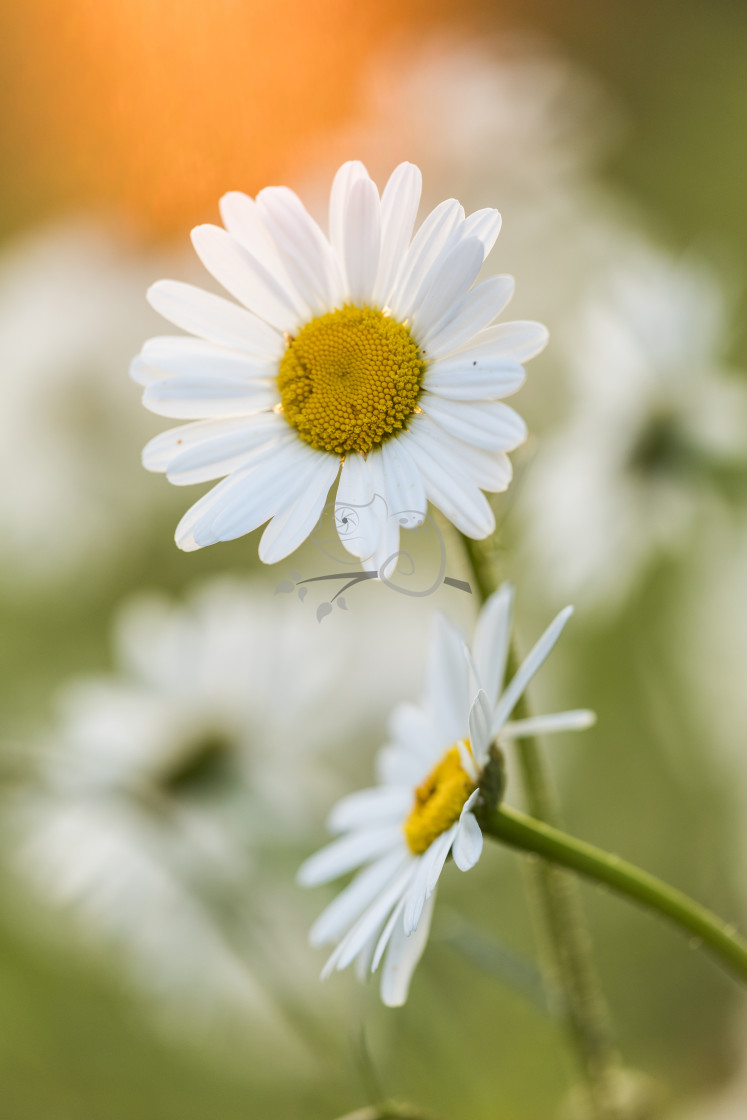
{"points": [[654, 422], [432, 775], [65, 419], [161, 806], [370, 348]]}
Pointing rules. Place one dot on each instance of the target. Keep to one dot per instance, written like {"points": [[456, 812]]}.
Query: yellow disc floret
{"points": [[438, 801], [350, 379]]}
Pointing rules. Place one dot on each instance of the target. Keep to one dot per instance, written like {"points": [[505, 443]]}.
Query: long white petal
{"points": [[244, 277], [370, 921], [215, 319], [520, 340], [362, 245], [467, 847], [349, 852], [181, 354], [399, 207], [204, 398], [528, 668], [378, 805], [305, 252], [446, 282], [469, 379], [426, 246], [218, 457], [491, 425], [451, 491], [488, 470], [470, 315], [402, 958], [350, 903], [577, 720], [348, 174], [296, 517], [160, 452], [479, 727], [484, 224], [447, 675], [491, 641]]}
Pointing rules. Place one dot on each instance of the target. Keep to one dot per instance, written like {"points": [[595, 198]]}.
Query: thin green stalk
{"points": [[566, 937], [520, 831]]}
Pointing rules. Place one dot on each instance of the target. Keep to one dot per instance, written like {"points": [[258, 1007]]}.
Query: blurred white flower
{"points": [[172, 790], [402, 831], [70, 314], [654, 419]]}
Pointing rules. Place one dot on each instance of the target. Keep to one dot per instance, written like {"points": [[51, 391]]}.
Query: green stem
{"points": [[520, 831], [567, 940]]}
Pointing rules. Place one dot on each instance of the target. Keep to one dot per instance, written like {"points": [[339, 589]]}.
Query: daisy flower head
{"points": [[367, 354], [438, 770]]}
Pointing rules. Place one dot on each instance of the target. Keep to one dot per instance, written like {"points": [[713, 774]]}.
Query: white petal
{"points": [[470, 315], [405, 493], [439, 850], [402, 958], [349, 852], [413, 732], [451, 491], [362, 244], [348, 174], [426, 246], [218, 457], [467, 847], [350, 903], [379, 805], [399, 207], [370, 921], [479, 727], [179, 354], [448, 279], [296, 518], [142, 373], [528, 668], [244, 277], [462, 378], [359, 510], [214, 318], [491, 641], [246, 499], [203, 398], [485, 224], [489, 470], [241, 217], [159, 453], [386, 936], [491, 425], [544, 725], [305, 252], [520, 340], [424, 884], [447, 677]]}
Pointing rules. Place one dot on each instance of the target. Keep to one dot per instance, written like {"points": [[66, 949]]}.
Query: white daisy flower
{"points": [[431, 777], [371, 348], [656, 420]]}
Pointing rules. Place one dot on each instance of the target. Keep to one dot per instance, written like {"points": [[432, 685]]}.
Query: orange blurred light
{"points": [[159, 106]]}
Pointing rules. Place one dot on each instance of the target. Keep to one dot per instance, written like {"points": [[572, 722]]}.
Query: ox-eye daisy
{"points": [[370, 349], [433, 775]]}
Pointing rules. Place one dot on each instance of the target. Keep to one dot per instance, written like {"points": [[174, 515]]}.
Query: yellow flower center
{"points": [[438, 801], [350, 379]]}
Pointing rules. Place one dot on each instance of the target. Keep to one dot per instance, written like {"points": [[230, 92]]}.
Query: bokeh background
{"points": [[174, 727]]}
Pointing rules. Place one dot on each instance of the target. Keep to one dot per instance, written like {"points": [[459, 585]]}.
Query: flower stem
{"points": [[566, 935], [520, 831]]}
